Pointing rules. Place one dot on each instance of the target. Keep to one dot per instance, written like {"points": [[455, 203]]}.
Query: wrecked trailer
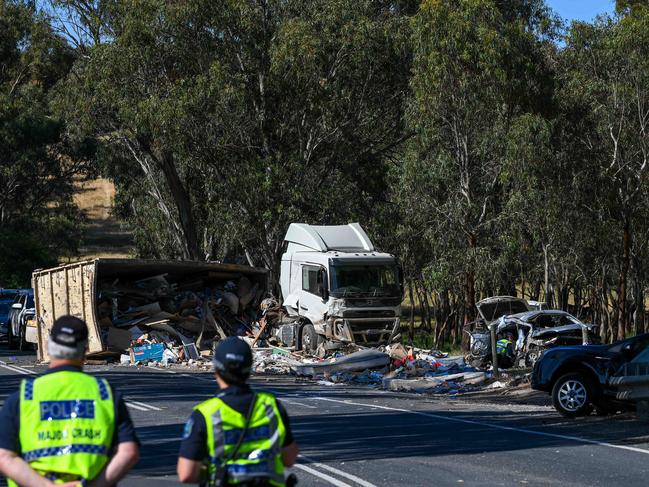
{"points": [[535, 330], [117, 296]]}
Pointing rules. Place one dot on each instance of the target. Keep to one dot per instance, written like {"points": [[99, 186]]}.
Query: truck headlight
{"points": [[336, 307]]}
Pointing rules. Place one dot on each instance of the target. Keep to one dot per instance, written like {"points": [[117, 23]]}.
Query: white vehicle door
{"points": [[311, 302]]}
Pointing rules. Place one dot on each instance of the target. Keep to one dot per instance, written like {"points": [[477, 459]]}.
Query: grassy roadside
{"points": [[104, 235]]}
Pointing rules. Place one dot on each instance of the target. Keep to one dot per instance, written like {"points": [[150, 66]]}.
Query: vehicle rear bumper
{"points": [[31, 334]]}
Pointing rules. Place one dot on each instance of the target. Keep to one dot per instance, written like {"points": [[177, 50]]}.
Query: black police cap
{"points": [[233, 359], [69, 331]]}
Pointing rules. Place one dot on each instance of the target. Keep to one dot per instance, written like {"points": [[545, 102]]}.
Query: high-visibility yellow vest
{"points": [[501, 346], [67, 420], [259, 456]]}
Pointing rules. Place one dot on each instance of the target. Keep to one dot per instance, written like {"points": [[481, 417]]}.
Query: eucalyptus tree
{"points": [[477, 66], [608, 69], [35, 175], [222, 126]]}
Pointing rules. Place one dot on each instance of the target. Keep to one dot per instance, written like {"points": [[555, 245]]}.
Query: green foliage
{"points": [[628, 6], [477, 66], [271, 114], [488, 157], [20, 253], [35, 176]]}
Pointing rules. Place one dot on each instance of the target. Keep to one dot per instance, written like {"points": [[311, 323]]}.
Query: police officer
{"points": [[66, 427], [214, 448], [505, 350]]}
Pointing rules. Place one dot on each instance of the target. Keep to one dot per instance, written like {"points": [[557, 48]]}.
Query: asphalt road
{"points": [[353, 436]]}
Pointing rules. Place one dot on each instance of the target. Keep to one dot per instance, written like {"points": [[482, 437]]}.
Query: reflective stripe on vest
{"points": [[259, 456], [67, 420], [501, 346]]}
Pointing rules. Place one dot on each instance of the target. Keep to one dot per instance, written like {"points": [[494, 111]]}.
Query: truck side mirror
{"points": [[322, 277]]}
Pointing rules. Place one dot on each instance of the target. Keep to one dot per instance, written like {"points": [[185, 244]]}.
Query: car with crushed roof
{"points": [[535, 330]]}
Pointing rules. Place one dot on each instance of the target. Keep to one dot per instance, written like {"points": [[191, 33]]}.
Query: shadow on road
{"points": [[334, 431], [160, 449], [382, 435]]}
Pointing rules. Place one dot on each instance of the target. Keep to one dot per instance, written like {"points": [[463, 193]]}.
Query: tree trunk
{"points": [[546, 277], [411, 296], [184, 206], [469, 291], [638, 297], [623, 325], [536, 293], [606, 331]]}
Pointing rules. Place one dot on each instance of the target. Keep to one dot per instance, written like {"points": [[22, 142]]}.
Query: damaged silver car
{"points": [[536, 330]]}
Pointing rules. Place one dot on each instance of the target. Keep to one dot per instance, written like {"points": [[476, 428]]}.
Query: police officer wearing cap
{"points": [[240, 437], [66, 427]]}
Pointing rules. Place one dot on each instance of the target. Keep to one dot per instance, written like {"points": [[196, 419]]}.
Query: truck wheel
{"points": [[309, 339], [572, 395]]}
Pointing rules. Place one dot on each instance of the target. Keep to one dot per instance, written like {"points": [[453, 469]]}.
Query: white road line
{"points": [[491, 425], [134, 406], [147, 407], [346, 475], [321, 475], [15, 368], [2, 362], [299, 404]]}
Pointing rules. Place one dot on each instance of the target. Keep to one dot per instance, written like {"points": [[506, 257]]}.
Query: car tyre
{"points": [[572, 395], [22, 343], [532, 356], [309, 339], [11, 339]]}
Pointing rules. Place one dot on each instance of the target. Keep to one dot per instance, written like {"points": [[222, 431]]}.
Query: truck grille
{"points": [[371, 331], [369, 313], [372, 302]]}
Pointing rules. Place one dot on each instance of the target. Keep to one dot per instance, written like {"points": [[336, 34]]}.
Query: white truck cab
{"points": [[339, 288]]}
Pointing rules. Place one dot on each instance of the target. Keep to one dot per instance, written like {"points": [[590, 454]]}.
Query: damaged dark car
{"points": [[581, 378], [534, 330]]}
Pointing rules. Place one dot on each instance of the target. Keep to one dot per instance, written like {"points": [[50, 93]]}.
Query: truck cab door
{"points": [[313, 294]]}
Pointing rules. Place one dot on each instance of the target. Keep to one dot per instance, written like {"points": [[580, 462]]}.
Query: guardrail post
{"points": [[632, 384], [494, 355]]}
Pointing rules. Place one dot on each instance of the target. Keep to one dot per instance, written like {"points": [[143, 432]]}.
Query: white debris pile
{"points": [[394, 367], [274, 361]]}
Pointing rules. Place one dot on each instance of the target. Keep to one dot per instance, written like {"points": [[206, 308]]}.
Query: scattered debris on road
{"points": [[171, 314], [394, 368]]}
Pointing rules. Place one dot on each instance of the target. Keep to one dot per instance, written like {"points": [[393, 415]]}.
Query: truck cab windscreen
{"points": [[365, 280]]}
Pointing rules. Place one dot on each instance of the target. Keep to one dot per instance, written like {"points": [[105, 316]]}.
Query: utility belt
{"points": [[62, 478]]}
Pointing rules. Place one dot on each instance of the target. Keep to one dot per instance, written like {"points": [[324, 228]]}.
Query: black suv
{"points": [[7, 297], [578, 377]]}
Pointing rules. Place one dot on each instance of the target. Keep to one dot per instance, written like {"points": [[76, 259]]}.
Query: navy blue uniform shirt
{"points": [[10, 418], [238, 397]]}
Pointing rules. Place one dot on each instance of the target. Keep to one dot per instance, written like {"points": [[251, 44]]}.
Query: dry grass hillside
{"points": [[103, 236]]}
